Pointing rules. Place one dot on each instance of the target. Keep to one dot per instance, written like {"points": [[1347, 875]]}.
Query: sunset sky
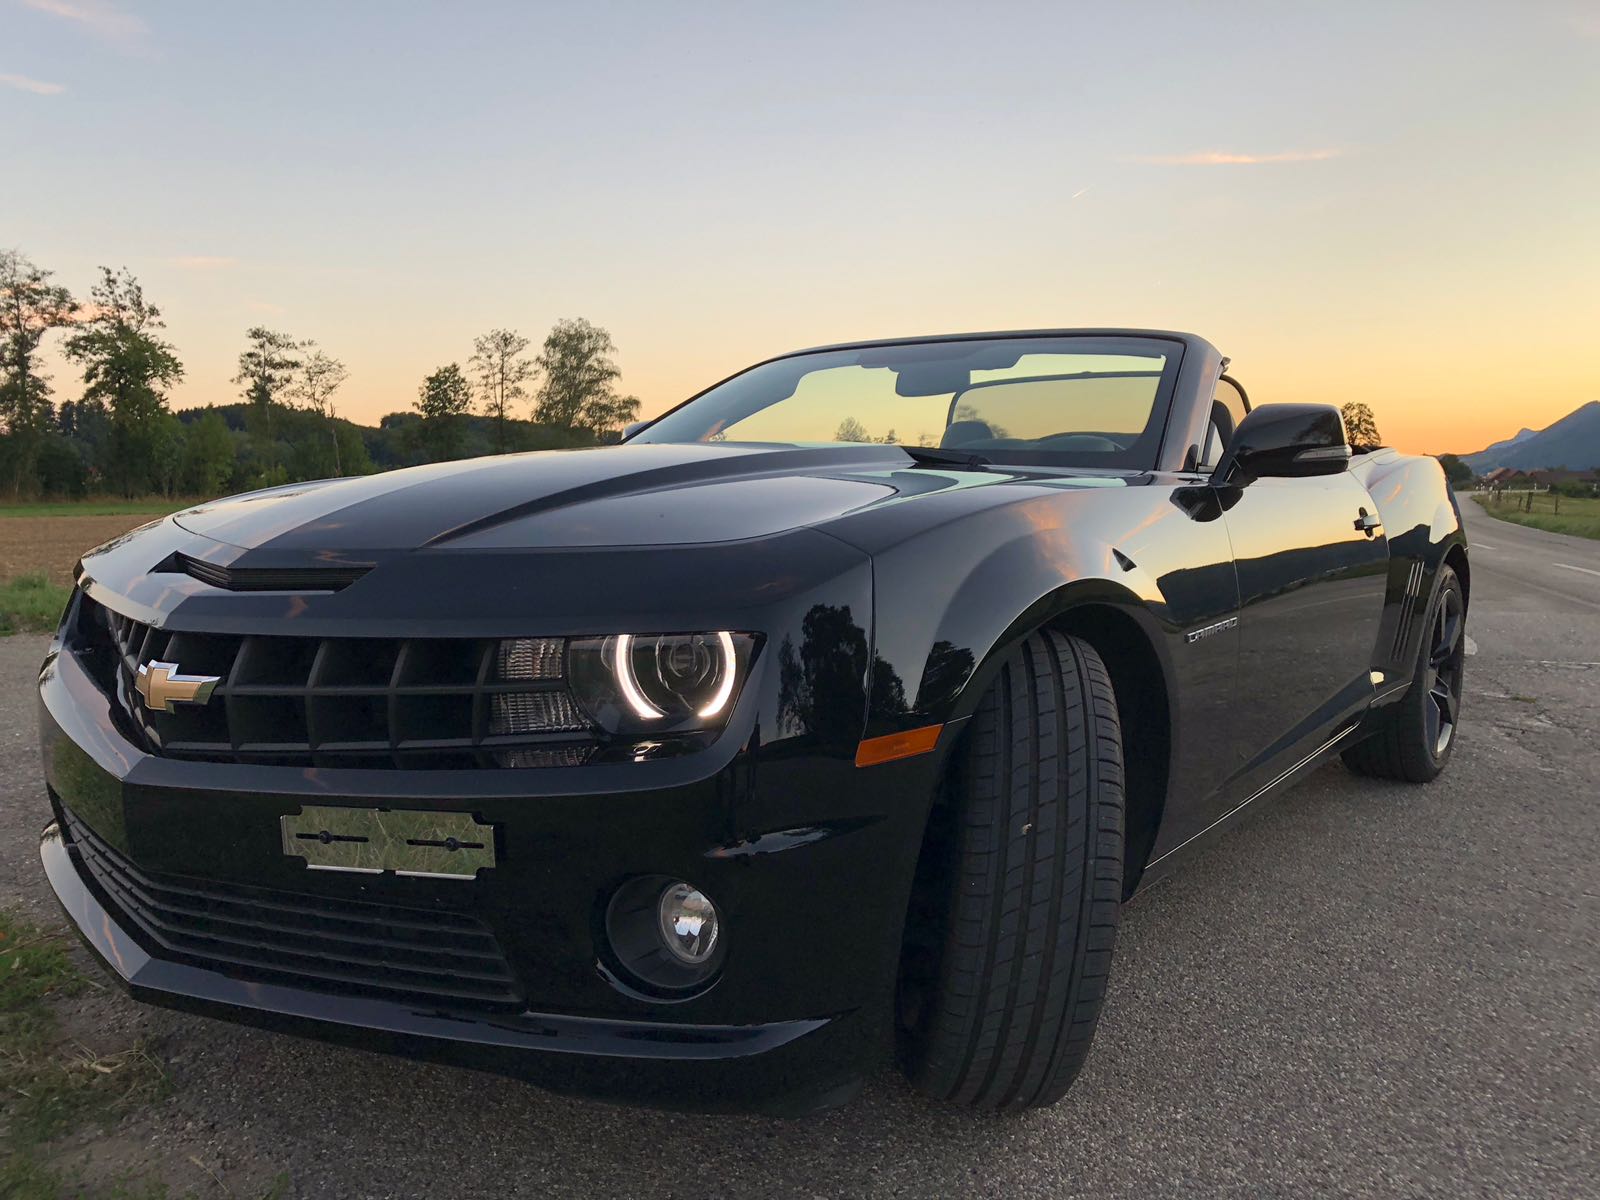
{"points": [[1391, 202]]}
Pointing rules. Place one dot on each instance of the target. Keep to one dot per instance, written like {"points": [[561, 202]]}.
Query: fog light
{"points": [[664, 937], [688, 923]]}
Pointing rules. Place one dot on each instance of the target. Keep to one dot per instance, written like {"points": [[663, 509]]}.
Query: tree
{"points": [[30, 306], [127, 368], [1360, 426], [502, 375], [320, 376], [1456, 471], [579, 380], [605, 415], [208, 456], [851, 430], [267, 369], [444, 398]]}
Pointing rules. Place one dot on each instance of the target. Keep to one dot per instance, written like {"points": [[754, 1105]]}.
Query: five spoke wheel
{"points": [[1446, 651]]}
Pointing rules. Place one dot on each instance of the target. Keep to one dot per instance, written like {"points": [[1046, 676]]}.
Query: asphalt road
{"points": [[1364, 989]]}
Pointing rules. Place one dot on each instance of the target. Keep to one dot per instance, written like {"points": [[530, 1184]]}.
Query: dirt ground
{"points": [[54, 544]]}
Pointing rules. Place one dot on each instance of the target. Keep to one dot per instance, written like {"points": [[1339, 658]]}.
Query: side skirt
{"points": [[1161, 866]]}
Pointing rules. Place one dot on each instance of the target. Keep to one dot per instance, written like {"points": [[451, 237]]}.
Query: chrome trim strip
{"points": [[1261, 791]]}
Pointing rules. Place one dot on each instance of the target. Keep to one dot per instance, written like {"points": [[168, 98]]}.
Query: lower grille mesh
{"points": [[351, 947]]}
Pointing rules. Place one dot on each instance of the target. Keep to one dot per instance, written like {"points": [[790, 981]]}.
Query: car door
{"points": [[1312, 564]]}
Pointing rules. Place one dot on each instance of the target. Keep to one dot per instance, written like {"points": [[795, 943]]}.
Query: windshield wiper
{"points": [[941, 456]]}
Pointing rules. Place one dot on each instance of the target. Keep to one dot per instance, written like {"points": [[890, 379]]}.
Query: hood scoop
{"points": [[265, 579]]}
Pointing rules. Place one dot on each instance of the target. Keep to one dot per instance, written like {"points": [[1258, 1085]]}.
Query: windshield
{"points": [[1072, 401]]}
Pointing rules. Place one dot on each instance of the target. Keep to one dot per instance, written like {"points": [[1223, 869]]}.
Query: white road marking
{"points": [[1472, 646], [1570, 567], [1481, 546]]}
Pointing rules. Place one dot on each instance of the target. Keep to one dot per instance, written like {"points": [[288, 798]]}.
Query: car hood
{"points": [[645, 494]]}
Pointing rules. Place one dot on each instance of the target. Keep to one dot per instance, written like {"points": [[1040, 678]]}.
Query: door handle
{"points": [[1369, 523]]}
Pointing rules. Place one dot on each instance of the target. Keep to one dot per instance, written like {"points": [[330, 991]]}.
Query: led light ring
{"points": [[725, 688], [641, 706], [640, 703]]}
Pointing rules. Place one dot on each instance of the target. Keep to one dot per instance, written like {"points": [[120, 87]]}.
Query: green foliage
{"points": [[49, 1085], [118, 437], [1579, 516], [30, 306], [503, 374], [208, 456], [1456, 471], [580, 377], [31, 603], [444, 398], [127, 370], [267, 368]]}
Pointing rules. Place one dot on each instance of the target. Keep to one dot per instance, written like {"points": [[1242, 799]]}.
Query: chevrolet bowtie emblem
{"points": [[160, 686]]}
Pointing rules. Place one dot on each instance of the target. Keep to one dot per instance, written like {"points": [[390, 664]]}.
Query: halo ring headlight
{"points": [[650, 684]]}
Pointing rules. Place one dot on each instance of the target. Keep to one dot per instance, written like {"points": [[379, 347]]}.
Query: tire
{"points": [[1029, 886], [1413, 738]]}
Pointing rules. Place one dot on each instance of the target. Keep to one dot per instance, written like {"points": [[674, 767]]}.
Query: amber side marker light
{"points": [[897, 745]]}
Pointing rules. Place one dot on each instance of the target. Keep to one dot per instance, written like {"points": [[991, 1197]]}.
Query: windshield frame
{"points": [[1143, 455]]}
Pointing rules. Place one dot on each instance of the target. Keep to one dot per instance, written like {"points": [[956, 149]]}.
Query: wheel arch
{"points": [[1456, 559], [1145, 713], [1118, 624]]}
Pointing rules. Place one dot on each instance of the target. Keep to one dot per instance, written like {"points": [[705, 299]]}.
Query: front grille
{"points": [[344, 702], [354, 947]]}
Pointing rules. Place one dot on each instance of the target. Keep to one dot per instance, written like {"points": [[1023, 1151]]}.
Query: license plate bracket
{"points": [[372, 841]]}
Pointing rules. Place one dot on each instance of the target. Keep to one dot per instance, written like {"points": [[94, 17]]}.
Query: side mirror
{"points": [[1285, 441]]}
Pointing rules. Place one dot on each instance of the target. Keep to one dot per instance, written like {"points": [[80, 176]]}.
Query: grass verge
{"points": [[31, 603], [50, 1084], [96, 508], [1555, 514]]}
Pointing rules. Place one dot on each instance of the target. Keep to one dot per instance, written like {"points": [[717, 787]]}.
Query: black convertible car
{"points": [[834, 715]]}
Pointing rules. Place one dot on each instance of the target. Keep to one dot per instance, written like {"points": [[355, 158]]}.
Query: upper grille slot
{"points": [[344, 702], [268, 579]]}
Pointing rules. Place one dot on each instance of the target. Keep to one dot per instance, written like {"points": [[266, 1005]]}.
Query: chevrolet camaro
{"points": [[829, 719]]}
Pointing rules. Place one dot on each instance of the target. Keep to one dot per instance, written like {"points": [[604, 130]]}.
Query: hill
{"points": [[1572, 442]]}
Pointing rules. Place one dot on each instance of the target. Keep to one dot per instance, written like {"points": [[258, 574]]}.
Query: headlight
{"points": [[649, 684]]}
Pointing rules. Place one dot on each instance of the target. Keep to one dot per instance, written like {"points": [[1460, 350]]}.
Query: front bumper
{"points": [[782, 1067], [808, 858]]}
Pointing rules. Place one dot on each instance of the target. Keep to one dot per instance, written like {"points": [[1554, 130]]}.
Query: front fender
{"points": [[950, 600]]}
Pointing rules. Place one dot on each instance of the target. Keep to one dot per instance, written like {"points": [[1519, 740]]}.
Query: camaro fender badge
{"points": [[374, 840], [1205, 631], [160, 686]]}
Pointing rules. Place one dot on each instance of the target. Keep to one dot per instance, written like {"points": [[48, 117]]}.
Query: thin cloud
{"points": [[99, 17], [1224, 158], [202, 262], [37, 86]]}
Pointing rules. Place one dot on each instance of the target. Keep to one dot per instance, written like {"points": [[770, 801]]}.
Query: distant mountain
{"points": [[1572, 442]]}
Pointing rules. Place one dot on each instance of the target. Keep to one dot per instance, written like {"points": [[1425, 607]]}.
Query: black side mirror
{"points": [[1286, 441]]}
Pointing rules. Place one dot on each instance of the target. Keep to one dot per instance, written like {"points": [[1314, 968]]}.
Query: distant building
{"points": [[1546, 478]]}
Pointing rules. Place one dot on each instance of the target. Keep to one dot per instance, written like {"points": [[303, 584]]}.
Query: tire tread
{"points": [[1038, 887]]}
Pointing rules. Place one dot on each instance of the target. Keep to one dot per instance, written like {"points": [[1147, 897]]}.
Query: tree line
{"points": [[120, 436]]}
